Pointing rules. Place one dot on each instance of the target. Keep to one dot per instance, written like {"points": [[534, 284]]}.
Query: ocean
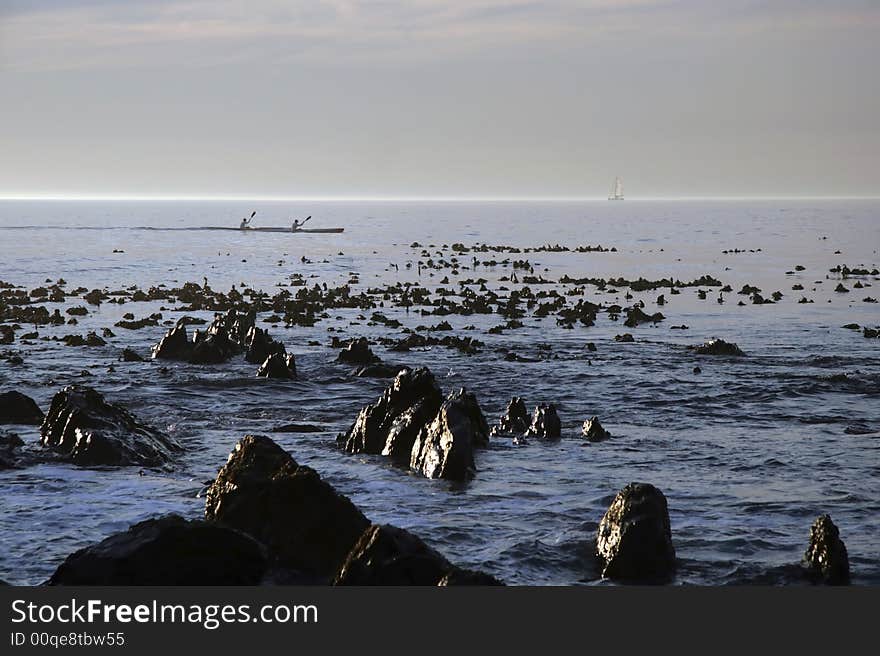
{"points": [[748, 451]]}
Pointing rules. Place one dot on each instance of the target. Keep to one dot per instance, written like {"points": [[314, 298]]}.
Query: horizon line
{"points": [[188, 197]]}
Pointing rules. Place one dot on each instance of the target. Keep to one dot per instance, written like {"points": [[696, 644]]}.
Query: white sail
{"points": [[616, 190]]}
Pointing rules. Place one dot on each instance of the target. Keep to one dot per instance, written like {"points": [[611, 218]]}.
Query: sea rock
{"points": [[636, 316], [89, 430], [390, 425], [174, 345], [214, 346], [261, 346], [357, 352], [387, 555], [167, 551], [515, 420], [593, 430], [16, 408], [625, 337], [7, 335], [377, 371], [471, 407], [718, 347], [298, 428], [460, 576], [545, 423], [825, 559], [93, 339], [445, 447], [278, 365], [634, 540], [305, 524], [10, 443], [224, 338], [128, 355]]}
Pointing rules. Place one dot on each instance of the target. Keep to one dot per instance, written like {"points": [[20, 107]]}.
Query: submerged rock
{"points": [[17, 408], [515, 420], [377, 371], [10, 443], [357, 352], [305, 524], [634, 540], [460, 576], [826, 560], [129, 355], [167, 551], [278, 365], [545, 423], [390, 425], [89, 430], [445, 447], [593, 430], [718, 347]]}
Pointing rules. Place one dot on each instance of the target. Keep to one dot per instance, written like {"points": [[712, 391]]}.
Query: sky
{"points": [[439, 98]]}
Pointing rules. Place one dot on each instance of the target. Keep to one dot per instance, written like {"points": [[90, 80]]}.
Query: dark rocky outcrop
{"points": [[387, 555], [636, 316], [467, 401], [278, 365], [7, 335], [261, 346], [174, 345], [545, 423], [213, 346], [515, 420], [16, 408], [825, 559], [305, 524], [718, 347], [357, 352], [89, 430], [167, 551], [634, 540], [390, 425], [593, 430], [225, 337], [445, 447]]}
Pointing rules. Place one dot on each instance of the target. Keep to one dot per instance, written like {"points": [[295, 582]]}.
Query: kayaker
{"points": [[297, 224], [246, 222]]}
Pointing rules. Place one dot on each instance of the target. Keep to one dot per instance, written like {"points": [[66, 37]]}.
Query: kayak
{"points": [[307, 230]]}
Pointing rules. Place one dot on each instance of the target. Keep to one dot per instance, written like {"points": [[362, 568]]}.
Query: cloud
{"points": [[86, 34]]}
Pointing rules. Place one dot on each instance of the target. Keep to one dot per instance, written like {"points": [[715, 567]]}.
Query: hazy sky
{"points": [[439, 98]]}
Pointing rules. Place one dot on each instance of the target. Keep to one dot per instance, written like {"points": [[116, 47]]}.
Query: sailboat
{"points": [[616, 190]]}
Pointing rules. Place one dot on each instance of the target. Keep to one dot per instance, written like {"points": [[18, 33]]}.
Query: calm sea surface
{"points": [[748, 452]]}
